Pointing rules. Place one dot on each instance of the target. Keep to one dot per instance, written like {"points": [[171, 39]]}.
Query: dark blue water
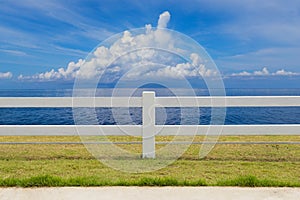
{"points": [[107, 116]]}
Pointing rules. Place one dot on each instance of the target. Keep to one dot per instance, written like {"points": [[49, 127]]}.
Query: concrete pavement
{"points": [[147, 193]]}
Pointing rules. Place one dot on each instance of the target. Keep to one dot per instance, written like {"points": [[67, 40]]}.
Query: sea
{"points": [[171, 116]]}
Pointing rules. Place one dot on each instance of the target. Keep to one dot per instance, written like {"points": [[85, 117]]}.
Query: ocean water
{"points": [[109, 116]]}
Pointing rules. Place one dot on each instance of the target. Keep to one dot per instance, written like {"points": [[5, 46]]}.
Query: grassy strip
{"points": [[252, 181], [233, 152], [226, 165], [52, 181]]}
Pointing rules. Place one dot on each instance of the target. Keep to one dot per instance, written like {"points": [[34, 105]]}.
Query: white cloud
{"points": [[13, 52], [265, 72], [138, 63], [282, 72], [182, 70], [6, 75], [163, 20], [244, 73], [61, 73]]}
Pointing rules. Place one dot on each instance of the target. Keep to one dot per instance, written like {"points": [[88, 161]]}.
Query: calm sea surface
{"points": [[105, 116]]}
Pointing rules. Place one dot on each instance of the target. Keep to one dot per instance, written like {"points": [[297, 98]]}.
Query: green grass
{"points": [[52, 181], [226, 165]]}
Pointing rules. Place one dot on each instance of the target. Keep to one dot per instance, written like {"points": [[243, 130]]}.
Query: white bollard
{"points": [[148, 124]]}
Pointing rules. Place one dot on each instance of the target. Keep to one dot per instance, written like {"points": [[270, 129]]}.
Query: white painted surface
{"points": [[136, 130], [69, 130], [48, 102], [228, 101], [287, 129], [148, 125], [149, 193]]}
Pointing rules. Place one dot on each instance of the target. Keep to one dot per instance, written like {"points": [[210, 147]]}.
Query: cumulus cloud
{"points": [[61, 73], [163, 20], [6, 75], [183, 70], [244, 73], [282, 72], [138, 63], [265, 72]]}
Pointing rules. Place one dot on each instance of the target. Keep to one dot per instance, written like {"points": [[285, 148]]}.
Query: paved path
{"points": [[146, 193]]}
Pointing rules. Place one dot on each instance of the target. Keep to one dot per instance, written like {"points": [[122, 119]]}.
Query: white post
{"points": [[148, 124]]}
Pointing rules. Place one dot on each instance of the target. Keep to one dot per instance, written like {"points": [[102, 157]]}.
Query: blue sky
{"points": [[254, 43]]}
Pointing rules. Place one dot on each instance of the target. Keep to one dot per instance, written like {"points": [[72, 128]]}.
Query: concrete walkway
{"points": [[146, 193]]}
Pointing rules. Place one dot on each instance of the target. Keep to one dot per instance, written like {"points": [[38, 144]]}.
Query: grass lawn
{"points": [[29, 165]]}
